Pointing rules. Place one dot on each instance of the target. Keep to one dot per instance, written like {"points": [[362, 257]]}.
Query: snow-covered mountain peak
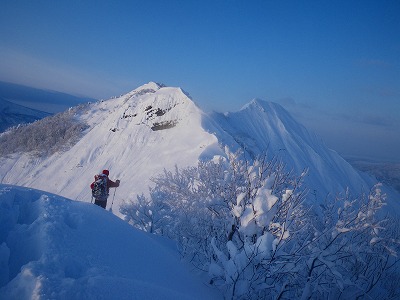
{"points": [[154, 100], [256, 102], [150, 87], [270, 116], [262, 126], [153, 105], [159, 109], [268, 107]]}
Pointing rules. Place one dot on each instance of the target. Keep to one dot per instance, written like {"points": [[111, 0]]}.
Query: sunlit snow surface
{"points": [[138, 135], [120, 138], [55, 248]]}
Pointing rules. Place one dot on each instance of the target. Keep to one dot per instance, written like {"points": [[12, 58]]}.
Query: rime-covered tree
{"points": [[247, 225], [45, 136]]}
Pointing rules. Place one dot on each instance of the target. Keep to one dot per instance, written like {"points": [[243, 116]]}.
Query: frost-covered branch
{"points": [[248, 225]]}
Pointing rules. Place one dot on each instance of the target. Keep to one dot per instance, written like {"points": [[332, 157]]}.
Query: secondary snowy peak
{"points": [[262, 126], [268, 107], [273, 111], [258, 103]]}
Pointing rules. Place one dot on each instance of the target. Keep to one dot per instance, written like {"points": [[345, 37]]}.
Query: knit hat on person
{"points": [[106, 172]]}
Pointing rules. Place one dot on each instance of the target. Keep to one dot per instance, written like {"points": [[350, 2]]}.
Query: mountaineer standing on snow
{"points": [[101, 188]]}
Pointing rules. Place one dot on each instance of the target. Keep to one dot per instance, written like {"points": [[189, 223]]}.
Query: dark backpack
{"points": [[99, 190]]}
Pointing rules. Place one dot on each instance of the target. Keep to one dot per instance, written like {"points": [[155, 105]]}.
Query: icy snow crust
{"points": [[55, 248]]}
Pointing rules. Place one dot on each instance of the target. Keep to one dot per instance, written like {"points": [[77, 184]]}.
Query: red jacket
{"points": [[110, 183]]}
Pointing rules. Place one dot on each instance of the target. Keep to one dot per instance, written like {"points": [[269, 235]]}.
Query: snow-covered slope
{"points": [[154, 127], [266, 126], [135, 136], [55, 248], [12, 114]]}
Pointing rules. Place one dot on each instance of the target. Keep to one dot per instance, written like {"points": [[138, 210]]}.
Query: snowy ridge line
{"points": [[138, 135]]}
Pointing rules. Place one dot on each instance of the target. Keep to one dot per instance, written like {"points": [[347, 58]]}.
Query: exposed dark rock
{"points": [[164, 125]]}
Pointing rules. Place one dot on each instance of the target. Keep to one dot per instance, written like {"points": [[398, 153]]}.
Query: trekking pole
{"points": [[112, 202]]}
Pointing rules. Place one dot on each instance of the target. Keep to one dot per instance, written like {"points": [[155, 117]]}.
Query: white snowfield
{"points": [[138, 135], [55, 248]]}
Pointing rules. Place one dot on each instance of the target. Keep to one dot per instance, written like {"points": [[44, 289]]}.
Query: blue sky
{"points": [[335, 65]]}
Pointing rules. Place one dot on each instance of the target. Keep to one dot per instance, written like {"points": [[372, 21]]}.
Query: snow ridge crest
{"points": [[148, 88], [264, 106]]}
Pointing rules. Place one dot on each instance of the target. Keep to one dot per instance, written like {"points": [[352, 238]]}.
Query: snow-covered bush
{"points": [[248, 226], [351, 254], [46, 136]]}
